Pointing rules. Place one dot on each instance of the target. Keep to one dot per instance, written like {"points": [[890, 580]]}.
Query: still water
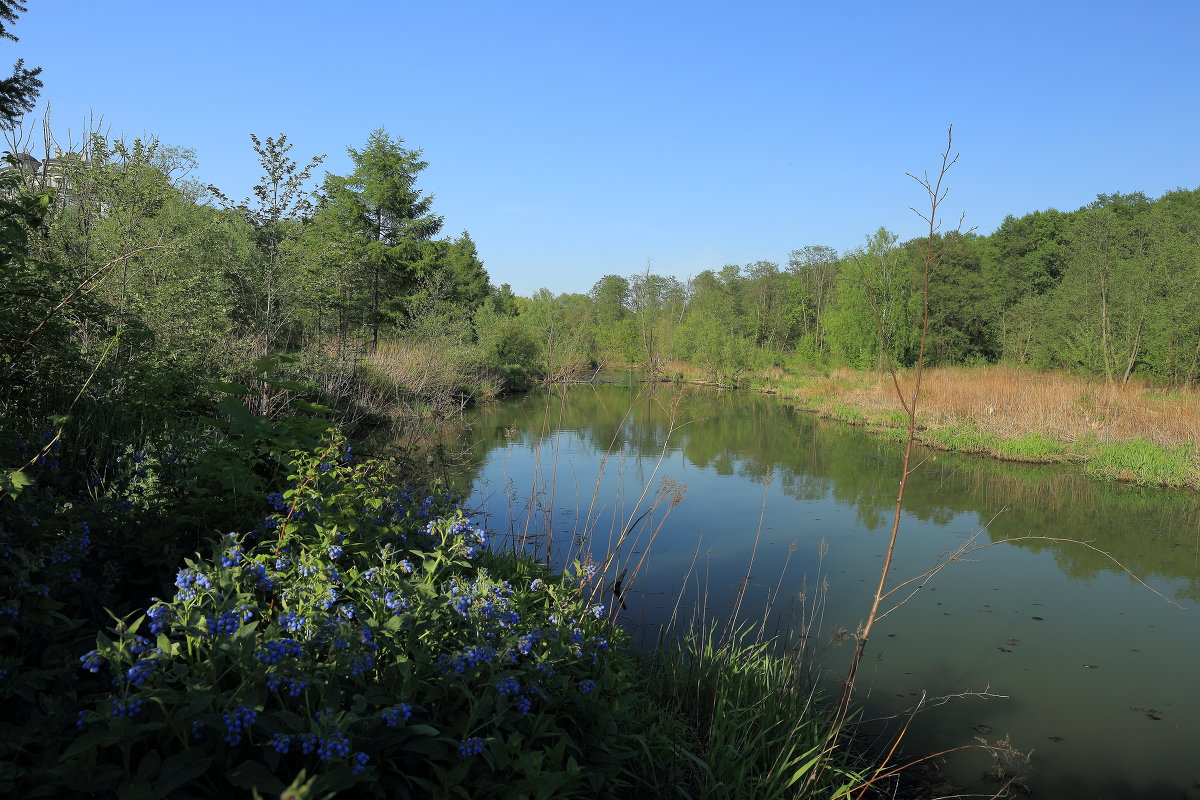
{"points": [[1053, 645]]}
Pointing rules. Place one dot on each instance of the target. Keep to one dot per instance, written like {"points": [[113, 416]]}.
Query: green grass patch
{"points": [[753, 720], [1033, 447], [844, 413], [962, 439], [893, 434], [1141, 461]]}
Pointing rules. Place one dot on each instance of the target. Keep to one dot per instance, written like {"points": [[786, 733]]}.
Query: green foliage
{"points": [[844, 413], [1032, 447], [1143, 462], [383, 218], [749, 748], [19, 91], [961, 438]]}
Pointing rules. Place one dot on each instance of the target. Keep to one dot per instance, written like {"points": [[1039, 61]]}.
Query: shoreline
{"points": [[1127, 434]]}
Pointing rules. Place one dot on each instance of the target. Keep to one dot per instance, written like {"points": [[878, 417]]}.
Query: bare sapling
{"points": [[936, 192]]}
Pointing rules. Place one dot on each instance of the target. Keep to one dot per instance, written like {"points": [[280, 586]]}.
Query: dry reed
{"points": [[1010, 402]]}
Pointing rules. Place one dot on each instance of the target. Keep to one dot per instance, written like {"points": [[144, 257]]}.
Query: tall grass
{"points": [[1140, 461], [753, 718], [1010, 402]]}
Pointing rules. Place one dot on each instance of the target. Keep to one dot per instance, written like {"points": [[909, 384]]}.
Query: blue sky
{"points": [[575, 139]]}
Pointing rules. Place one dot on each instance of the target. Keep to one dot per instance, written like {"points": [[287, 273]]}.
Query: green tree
{"points": [[815, 270], [874, 306], [962, 303], [381, 207], [616, 335], [450, 273], [281, 200], [19, 91]]}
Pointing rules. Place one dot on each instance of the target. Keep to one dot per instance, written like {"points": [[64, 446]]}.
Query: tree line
{"points": [[170, 281], [1109, 291], [134, 280]]}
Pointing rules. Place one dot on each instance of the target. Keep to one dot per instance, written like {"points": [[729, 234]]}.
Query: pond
{"points": [[1082, 651]]}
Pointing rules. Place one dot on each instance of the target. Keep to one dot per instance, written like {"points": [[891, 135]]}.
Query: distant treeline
{"points": [[1109, 290]]}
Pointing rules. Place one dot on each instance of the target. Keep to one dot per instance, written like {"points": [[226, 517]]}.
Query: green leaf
{"points": [[15, 482], [228, 387], [265, 364], [423, 730], [255, 775], [311, 408], [177, 770]]}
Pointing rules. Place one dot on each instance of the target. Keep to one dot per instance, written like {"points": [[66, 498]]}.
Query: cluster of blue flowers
{"points": [[290, 686], [233, 556], [458, 663], [161, 616], [335, 745], [324, 629], [237, 721], [459, 535], [92, 660], [188, 580], [227, 622], [273, 651], [394, 715], [292, 622], [126, 707], [470, 747], [395, 602], [141, 671], [485, 601]]}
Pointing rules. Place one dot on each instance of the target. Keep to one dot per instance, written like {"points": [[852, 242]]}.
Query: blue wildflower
{"points": [[393, 716], [92, 661], [470, 747]]}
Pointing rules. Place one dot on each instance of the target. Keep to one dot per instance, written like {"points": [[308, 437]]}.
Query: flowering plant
{"points": [[367, 634]]}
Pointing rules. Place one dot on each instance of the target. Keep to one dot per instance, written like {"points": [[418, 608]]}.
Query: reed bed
{"points": [[1010, 402], [1125, 432]]}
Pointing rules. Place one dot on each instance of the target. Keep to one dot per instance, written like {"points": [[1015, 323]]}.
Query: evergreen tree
{"points": [[381, 206], [19, 91]]}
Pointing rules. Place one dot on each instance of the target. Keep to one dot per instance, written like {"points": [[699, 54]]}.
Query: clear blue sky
{"points": [[575, 139]]}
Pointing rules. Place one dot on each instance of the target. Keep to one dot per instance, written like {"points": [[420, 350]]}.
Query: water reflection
{"points": [[1060, 629]]}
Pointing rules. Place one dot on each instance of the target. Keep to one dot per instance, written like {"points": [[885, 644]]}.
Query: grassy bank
{"points": [[1129, 433]]}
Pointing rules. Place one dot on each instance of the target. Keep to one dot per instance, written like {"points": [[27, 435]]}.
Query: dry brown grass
{"points": [[1011, 402]]}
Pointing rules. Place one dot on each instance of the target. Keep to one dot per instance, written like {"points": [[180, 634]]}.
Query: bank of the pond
{"points": [[358, 635], [1128, 433]]}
